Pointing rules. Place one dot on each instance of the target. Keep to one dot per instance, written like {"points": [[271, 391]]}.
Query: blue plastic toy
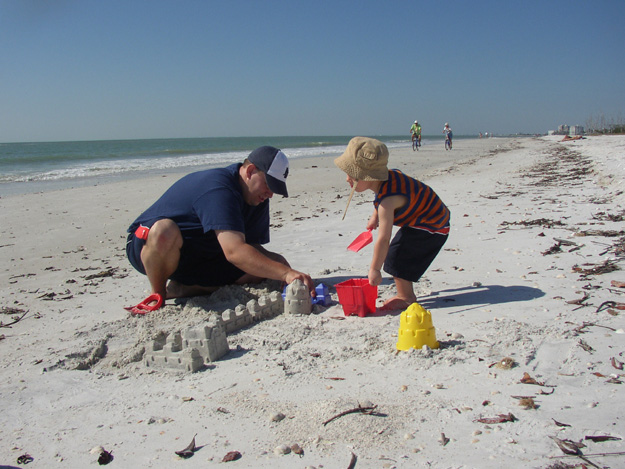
{"points": [[323, 295]]}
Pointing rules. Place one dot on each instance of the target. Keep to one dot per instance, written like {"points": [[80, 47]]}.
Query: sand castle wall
{"points": [[190, 349]]}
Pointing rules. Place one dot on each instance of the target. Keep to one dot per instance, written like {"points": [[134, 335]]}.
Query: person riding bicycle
{"points": [[448, 136], [415, 132]]}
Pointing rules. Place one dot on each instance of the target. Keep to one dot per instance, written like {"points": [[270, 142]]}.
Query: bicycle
{"points": [[448, 136], [415, 142], [447, 143]]}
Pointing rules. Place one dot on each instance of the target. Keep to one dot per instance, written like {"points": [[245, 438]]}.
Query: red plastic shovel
{"points": [[361, 241]]}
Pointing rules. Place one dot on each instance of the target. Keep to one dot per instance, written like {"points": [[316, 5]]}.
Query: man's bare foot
{"points": [[396, 303], [178, 290]]}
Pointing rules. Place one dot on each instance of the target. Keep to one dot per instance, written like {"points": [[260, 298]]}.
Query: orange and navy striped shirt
{"points": [[424, 209]]}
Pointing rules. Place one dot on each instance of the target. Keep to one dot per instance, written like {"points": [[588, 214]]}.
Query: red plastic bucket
{"points": [[357, 296]]}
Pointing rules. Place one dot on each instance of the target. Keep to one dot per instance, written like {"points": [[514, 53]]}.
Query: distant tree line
{"points": [[605, 125]]}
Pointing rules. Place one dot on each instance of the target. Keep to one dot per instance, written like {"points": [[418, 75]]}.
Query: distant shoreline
{"points": [[35, 168]]}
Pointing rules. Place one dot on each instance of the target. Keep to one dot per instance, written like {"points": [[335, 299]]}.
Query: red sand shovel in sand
{"points": [[361, 241]]}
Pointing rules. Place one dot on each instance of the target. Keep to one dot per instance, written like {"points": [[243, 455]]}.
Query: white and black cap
{"points": [[275, 165]]}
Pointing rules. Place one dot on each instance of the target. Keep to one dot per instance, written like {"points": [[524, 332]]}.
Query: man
{"points": [[415, 132], [448, 136], [207, 229]]}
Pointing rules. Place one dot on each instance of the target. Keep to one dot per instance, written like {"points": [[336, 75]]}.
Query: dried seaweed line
{"points": [[592, 455]]}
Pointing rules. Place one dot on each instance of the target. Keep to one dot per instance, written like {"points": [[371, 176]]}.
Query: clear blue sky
{"points": [[118, 69]]}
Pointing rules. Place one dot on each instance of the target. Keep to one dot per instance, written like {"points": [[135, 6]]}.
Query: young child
{"points": [[402, 201]]}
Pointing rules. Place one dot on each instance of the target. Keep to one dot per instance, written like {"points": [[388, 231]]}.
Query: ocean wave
{"points": [[37, 168]]}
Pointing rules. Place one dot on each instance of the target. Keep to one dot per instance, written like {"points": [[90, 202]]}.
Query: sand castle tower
{"points": [[297, 298], [416, 329]]}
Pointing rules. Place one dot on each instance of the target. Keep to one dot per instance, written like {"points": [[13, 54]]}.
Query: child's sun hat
{"points": [[365, 159]]}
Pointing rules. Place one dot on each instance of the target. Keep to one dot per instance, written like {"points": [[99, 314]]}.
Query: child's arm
{"points": [[372, 224], [385, 215]]}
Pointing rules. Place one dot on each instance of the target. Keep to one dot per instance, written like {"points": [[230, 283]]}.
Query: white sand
{"points": [[493, 293]]}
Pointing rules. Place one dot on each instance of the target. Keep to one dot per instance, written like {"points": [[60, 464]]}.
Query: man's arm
{"points": [[252, 261]]}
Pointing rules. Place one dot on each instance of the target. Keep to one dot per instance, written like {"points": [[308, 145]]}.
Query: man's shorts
{"points": [[411, 252], [199, 263]]}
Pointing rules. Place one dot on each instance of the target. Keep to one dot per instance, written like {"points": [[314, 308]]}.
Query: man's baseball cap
{"points": [[275, 165]]}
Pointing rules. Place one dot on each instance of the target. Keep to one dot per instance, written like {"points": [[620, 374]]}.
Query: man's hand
{"points": [[293, 275]]}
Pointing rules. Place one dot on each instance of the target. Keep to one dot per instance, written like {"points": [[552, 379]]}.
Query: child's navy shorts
{"points": [[411, 252], [199, 265]]}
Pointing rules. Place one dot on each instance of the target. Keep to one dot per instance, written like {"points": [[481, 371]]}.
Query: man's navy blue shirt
{"points": [[205, 201]]}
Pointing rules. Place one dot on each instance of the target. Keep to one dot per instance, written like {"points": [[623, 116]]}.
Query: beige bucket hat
{"points": [[365, 159]]}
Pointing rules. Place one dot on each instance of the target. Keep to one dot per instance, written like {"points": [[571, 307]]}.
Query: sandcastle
{"points": [[192, 348], [297, 298]]}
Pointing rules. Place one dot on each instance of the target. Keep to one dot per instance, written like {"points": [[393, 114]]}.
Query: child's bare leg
{"points": [[404, 298]]}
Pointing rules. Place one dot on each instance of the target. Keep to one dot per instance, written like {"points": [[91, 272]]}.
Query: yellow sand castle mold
{"points": [[416, 329]]}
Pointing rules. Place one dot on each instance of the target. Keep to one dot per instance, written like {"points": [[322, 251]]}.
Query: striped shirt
{"points": [[424, 209]]}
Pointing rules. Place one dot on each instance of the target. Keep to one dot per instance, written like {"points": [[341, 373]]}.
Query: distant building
{"points": [[563, 129], [567, 130]]}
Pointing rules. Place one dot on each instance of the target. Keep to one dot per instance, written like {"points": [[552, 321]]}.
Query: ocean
{"points": [[41, 166]]}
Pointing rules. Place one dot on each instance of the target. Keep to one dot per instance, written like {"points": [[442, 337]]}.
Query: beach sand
{"points": [[536, 247]]}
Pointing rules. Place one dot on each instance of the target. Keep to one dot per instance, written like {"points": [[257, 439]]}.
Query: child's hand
{"points": [[372, 223], [375, 277]]}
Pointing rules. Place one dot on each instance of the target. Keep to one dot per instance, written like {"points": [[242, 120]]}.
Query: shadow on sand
{"points": [[476, 297], [461, 299]]}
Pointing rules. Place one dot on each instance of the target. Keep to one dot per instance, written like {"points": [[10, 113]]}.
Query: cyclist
{"points": [[448, 136], [415, 132]]}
